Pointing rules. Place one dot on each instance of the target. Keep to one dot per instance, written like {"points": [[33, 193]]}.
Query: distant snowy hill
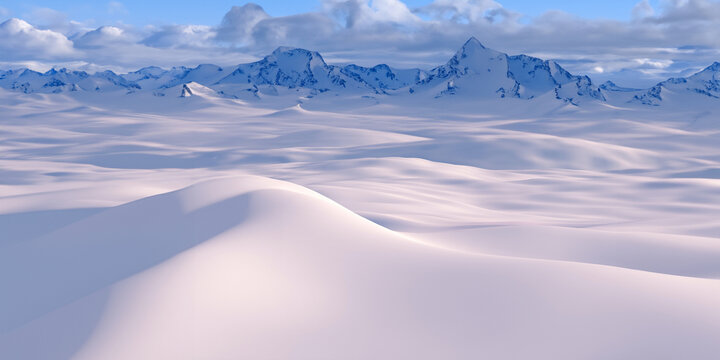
{"points": [[289, 68], [205, 74], [705, 83], [382, 77], [55, 81], [474, 72]]}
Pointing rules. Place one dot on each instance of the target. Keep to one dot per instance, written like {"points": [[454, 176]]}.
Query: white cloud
{"points": [[237, 24], [677, 11], [464, 11], [656, 64], [104, 36], [297, 30], [364, 14], [181, 36], [20, 40], [112, 47], [392, 11]]}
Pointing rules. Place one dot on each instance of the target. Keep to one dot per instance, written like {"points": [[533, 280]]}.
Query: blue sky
{"points": [[632, 42]]}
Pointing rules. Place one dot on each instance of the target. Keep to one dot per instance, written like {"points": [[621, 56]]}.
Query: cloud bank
{"points": [[20, 40], [677, 37]]}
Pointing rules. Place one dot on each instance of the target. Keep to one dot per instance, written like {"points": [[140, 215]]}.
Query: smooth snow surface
{"points": [[183, 224]]}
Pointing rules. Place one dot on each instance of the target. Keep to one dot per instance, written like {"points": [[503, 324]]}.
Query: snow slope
{"points": [[703, 87], [234, 267], [184, 223], [485, 73]]}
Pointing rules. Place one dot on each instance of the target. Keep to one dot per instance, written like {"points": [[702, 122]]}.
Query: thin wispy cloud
{"points": [[116, 8]]}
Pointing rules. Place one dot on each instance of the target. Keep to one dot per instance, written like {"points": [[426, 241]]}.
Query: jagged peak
{"points": [[107, 73], [708, 73], [376, 68], [55, 71], [186, 91], [474, 48], [611, 86], [473, 43], [287, 52], [714, 67], [150, 68], [524, 57], [29, 71], [206, 66]]}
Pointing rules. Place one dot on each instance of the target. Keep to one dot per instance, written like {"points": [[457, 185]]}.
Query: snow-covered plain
{"points": [[198, 225]]}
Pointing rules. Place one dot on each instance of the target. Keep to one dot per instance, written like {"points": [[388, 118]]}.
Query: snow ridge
{"points": [[475, 71]]}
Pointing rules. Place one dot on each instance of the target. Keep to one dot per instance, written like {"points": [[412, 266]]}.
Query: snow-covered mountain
{"points": [[55, 81], [153, 77], [382, 77], [479, 71], [288, 68], [291, 68], [474, 69], [705, 83], [474, 72], [299, 68]]}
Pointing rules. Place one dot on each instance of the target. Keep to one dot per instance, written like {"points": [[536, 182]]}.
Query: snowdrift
{"points": [[256, 268]]}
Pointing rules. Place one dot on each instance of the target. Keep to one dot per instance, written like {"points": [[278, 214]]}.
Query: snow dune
{"points": [[252, 267], [164, 227]]}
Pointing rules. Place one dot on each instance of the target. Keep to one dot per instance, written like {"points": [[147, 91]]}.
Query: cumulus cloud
{"points": [[238, 23], [296, 30], [674, 36], [679, 11], [181, 36], [385, 11], [111, 47], [466, 11], [362, 14], [20, 40], [103, 36]]}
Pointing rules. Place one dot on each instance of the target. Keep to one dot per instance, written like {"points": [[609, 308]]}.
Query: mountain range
{"points": [[474, 71]]}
